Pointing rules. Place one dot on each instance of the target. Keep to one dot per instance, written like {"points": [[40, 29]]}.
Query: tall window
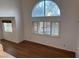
{"points": [[46, 8]]}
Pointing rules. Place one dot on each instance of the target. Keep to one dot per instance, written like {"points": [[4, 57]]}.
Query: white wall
{"points": [[13, 8], [69, 25], [77, 16]]}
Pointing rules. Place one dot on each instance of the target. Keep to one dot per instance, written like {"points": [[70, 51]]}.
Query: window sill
{"points": [[44, 35]]}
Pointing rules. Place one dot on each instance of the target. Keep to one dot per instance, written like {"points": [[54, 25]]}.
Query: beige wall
{"points": [[69, 25], [12, 8]]}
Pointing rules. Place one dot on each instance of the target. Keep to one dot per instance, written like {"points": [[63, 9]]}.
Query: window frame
{"points": [[50, 29], [45, 8], [47, 19]]}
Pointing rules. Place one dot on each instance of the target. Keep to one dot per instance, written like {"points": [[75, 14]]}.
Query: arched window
{"points": [[46, 8], [44, 26]]}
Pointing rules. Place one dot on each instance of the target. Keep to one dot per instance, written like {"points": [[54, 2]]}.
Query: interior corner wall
{"points": [[69, 25], [12, 8]]}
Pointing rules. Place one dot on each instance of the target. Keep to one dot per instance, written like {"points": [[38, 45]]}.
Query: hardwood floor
{"points": [[28, 49]]}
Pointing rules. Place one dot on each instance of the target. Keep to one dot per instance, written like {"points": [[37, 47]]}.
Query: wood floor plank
{"points": [[27, 49]]}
